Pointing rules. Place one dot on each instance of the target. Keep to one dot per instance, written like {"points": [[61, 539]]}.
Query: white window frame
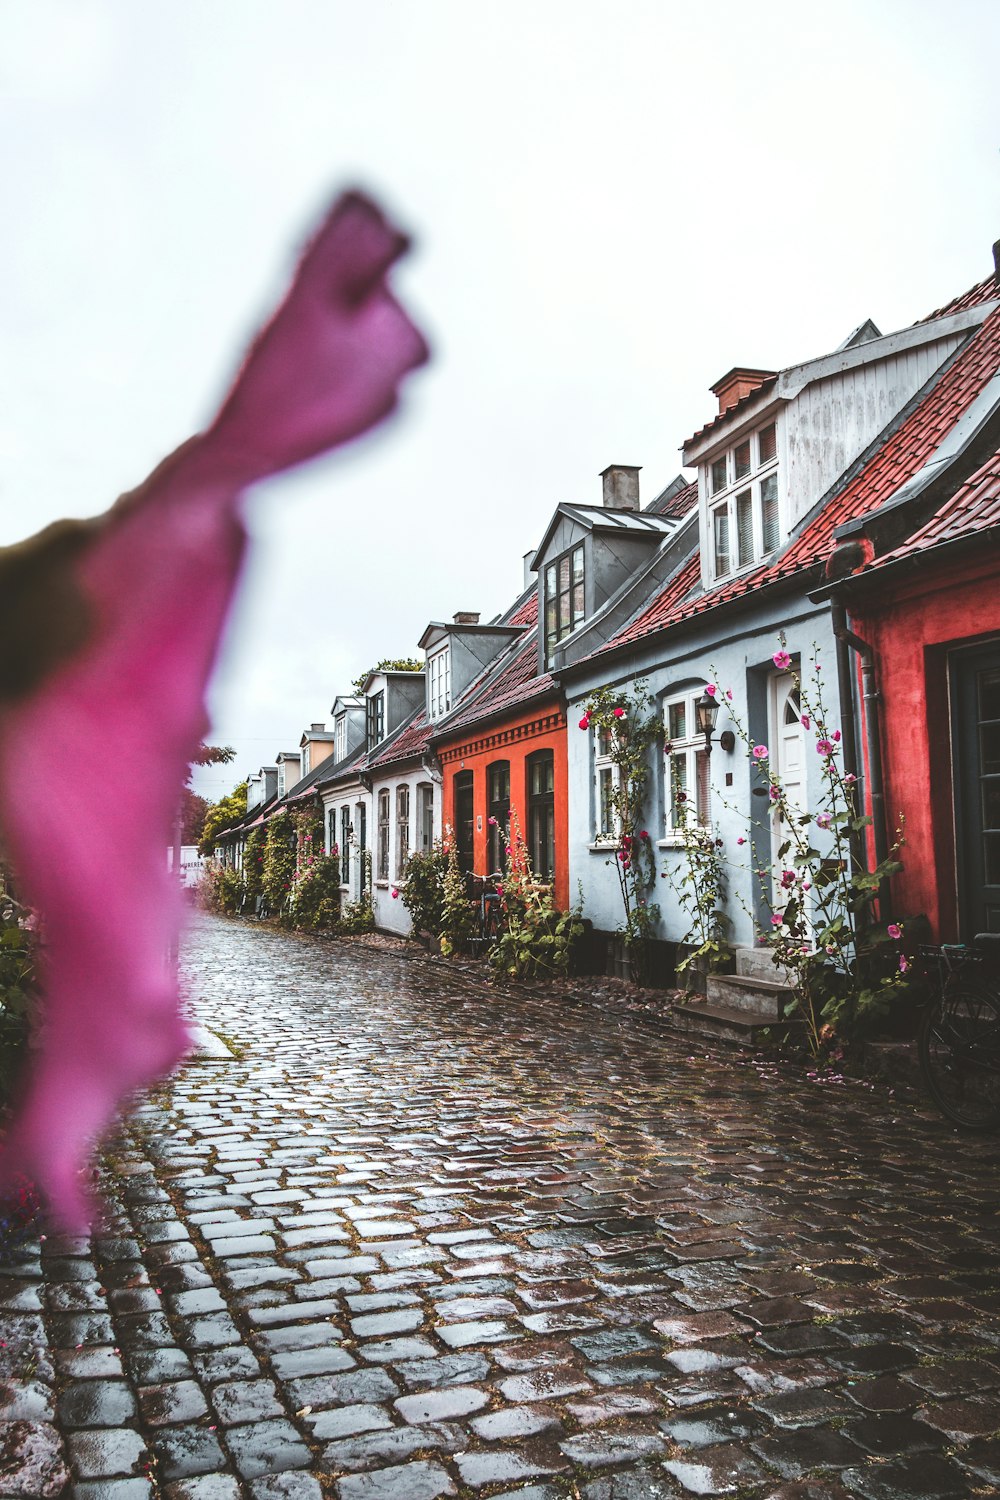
{"points": [[723, 503], [686, 749], [339, 738], [403, 809], [554, 596], [439, 684], [383, 801], [606, 773]]}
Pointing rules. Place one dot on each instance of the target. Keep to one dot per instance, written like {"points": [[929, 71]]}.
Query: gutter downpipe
{"points": [[847, 640]]}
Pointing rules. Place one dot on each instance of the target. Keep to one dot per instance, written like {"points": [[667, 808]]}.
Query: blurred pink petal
{"points": [[95, 745]]}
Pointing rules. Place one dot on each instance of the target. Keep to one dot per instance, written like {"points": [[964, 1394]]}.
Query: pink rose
{"points": [[394, 894], [619, 713], [585, 722]]}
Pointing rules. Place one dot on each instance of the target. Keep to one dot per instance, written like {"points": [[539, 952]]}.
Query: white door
{"points": [[788, 761]]}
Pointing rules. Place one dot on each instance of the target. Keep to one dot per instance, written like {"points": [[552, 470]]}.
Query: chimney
{"points": [[466, 617], [528, 569], [737, 383], [621, 486], [320, 727]]}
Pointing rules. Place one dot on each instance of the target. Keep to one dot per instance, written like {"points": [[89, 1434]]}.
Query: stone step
{"points": [[757, 963], [719, 1023], [761, 999]]}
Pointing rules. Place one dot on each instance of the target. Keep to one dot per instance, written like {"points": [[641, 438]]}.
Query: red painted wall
{"points": [[912, 626], [543, 727]]}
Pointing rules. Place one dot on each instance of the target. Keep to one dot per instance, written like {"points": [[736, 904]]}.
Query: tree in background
{"points": [[222, 815]]}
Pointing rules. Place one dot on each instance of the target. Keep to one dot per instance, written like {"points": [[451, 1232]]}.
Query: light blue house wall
{"points": [[732, 647]]}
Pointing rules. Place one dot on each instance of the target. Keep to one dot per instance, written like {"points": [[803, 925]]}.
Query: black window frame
{"points": [[374, 720], [566, 616], [382, 866], [464, 804], [541, 817], [498, 807]]}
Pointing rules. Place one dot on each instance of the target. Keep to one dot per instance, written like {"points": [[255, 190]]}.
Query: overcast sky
{"points": [[613, 203]]}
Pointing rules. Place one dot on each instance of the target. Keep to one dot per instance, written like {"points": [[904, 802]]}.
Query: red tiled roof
{"points": [[412, 741], [679, 505], [516, 683], [973, 509], [896, 461], [983, 291], [528, 612]]}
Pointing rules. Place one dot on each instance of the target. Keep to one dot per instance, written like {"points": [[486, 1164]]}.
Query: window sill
{"points": [[603, 846], [382, 885], [676, 840]]}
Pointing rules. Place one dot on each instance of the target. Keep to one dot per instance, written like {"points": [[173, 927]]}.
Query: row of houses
{"points": [[846, 509]]}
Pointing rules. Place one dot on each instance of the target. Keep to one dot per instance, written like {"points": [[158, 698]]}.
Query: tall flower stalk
{"points": [[846, 967], [626, 726]]}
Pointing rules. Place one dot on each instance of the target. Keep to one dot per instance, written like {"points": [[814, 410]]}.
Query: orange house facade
{"points": [[505, 760]]}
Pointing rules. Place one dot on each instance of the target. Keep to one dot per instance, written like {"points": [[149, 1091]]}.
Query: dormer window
{"points": [[439, 684], [374, 720], [564, 598], [743, 503], [340, 738]]}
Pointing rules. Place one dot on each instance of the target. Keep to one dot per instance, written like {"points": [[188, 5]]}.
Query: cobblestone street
{"points": [[423, 1238]]}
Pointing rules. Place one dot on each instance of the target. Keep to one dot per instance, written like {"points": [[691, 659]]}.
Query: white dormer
{"points": [[781, 442]]}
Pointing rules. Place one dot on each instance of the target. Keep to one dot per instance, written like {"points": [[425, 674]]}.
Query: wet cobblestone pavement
{"points": [[426, 1239]]}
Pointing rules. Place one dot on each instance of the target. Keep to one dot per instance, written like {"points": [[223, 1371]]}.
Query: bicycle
{"points": [[958, 1042], [490, 916]]}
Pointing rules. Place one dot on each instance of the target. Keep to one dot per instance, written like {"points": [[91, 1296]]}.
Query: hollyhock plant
{"points": [[112, 627], [822, 933]]}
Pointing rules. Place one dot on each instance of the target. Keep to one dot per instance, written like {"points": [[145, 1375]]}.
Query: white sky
{"points": [[613, 203]]}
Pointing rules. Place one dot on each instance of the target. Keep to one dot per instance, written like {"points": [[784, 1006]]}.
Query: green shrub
{"points": [[315, 901], [279, 863], [537, 939], [17, 986], [253, 865], [422, 892], [221, 889], [357, 917]]}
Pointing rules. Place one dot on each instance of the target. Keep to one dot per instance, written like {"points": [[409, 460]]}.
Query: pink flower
{"points": [[904, 963], [491, 822], [711, 689], [782, 660], [644, 834], [499, 890], [787, 879], [836, 735], [619, 713], [824, 819], [585, 722], [806, 722], [894, 931], [394, 894], [760, 752], [773, 793], [824, 747], [149, 588], [741, 840], [729, 694], [777, 919], [850, 778]]}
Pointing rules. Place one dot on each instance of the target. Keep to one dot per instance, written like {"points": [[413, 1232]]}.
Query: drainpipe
{"points": [[847, 640]]}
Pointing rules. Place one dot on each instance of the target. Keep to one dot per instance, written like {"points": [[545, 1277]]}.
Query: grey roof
{"points": [[599, 518]]}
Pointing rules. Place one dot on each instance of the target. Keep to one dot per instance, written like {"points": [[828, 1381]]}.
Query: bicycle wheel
{"points": [[959, 1049]]}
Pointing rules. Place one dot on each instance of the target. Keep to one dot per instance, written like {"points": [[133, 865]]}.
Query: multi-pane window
{"points": [[331, 829], [425, 816], [564, 597], [687, 799], [382, 867], [605, 781], [464, 821], [345, 846], [402, 830], [439, 684], [541, 814], [743, 502], [497, 813], [340, 738], [374, 720]]}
